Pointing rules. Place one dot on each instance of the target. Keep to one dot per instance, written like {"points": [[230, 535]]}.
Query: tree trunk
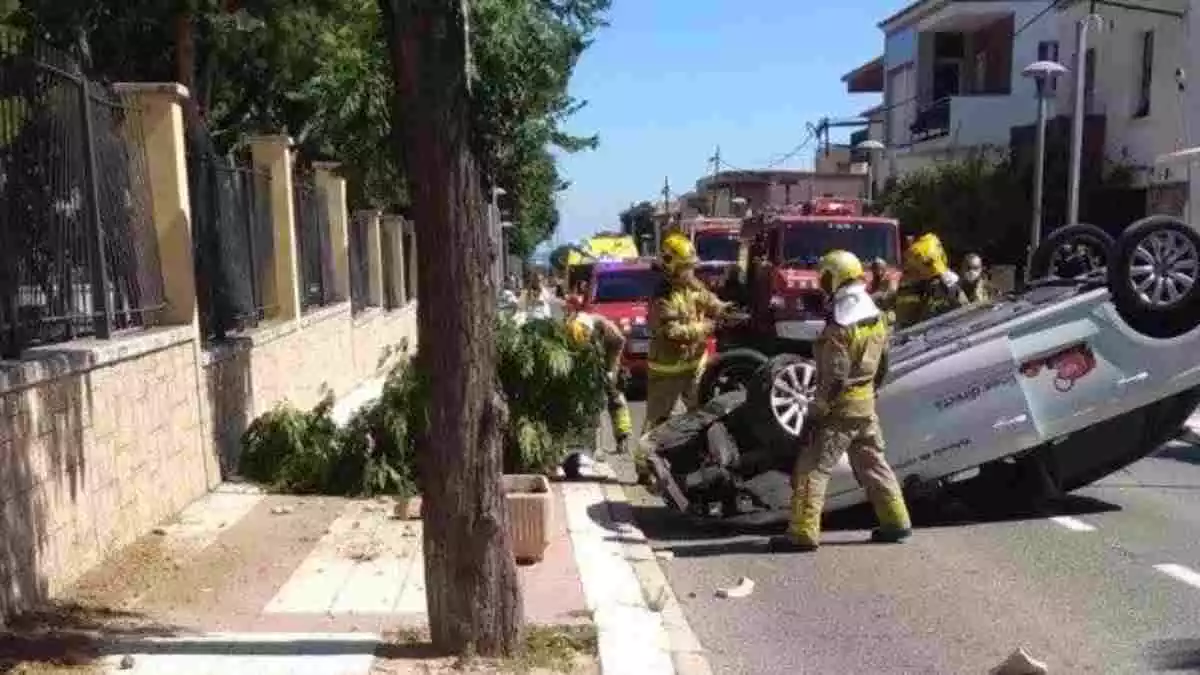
{"points": [[185, 48], [474, 601]]}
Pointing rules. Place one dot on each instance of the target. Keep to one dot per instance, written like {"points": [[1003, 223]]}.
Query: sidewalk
{"points": [[243, 582]]}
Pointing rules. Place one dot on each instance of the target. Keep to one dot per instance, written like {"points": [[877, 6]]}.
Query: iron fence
{"points": [[233, 238], [313, 242], [360, 265], [78, 248]]}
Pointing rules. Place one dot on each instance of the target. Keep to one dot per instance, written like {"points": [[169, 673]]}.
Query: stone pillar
{"points": [[159, 125], [411, 230], [281, 289], [374, 258], [395, 225], [334, 187]]}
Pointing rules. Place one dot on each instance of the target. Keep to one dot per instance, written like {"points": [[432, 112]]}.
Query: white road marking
{"points": [[1073, 524], [1180, 573]]}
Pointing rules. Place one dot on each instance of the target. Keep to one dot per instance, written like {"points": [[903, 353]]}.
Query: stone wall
{"points": [[102, 440]]}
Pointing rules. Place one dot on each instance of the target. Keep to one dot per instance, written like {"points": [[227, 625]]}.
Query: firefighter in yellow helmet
{"points": [[681, 321], [584, 327], [851, 359], [929, 288]]}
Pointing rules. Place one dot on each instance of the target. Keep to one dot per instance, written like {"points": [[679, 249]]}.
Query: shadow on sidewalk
{"points": [[72, 635]]}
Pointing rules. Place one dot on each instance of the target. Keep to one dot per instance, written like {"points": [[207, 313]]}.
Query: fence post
{"points": [[102, 312], [273, 154], [159, 116], [396, 225], [334, 187], [374, 258]]}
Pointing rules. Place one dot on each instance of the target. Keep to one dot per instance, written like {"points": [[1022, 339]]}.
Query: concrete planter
{"points": [[530, 505]]}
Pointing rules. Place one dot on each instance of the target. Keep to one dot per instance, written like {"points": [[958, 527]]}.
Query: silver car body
{"points": [[962, 389]]}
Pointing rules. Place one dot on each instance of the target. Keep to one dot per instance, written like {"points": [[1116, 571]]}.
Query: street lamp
{"points": [[870, 146], [1043, 74]]}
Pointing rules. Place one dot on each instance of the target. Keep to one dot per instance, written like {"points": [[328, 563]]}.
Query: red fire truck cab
{"points": [[784, 246]]}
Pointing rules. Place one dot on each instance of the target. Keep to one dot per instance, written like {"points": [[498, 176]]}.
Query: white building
{"points": [[1137, 52], [951, 76]]}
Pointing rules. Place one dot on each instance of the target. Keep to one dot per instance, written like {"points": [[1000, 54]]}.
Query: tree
{"points": [[474, 601], [638, 221]]}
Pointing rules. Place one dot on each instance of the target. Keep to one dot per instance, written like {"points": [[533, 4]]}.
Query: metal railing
{"points": [[360, 263], [233, 237], [313, 242], [932, 121], [78, 248]]}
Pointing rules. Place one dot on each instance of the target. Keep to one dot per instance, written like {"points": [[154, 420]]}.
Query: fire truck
{"points": [[780, 282], [718, 245]]}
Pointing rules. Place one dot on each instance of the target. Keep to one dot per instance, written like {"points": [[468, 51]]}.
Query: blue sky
{"points": [[669, 80]]}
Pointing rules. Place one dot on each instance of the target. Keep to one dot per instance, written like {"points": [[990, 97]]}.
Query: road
{"points": [[1106, 585]]}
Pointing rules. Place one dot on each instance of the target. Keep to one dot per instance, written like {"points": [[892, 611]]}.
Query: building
{"points": [[951, 77], [1132, 81], [771, 187]]}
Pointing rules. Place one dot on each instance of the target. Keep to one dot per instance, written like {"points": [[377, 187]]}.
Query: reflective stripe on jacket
{"points": [[850, 361]]}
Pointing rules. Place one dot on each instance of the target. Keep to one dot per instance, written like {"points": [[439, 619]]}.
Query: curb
{"points": [[687, 654]]}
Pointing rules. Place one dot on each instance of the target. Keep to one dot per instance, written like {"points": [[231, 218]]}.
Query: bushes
{"points": [[553, 389]]}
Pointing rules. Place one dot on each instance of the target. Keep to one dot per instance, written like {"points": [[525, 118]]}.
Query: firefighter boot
{"points": [[805, 529], [892, 513]]}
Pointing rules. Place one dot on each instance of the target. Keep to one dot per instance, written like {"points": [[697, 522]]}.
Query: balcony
{"points": [[969, 120]]}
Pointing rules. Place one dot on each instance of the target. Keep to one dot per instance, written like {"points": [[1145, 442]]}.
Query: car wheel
{"points": [[729, 371], [779, 396], [1155, 276], [1072, 251]]}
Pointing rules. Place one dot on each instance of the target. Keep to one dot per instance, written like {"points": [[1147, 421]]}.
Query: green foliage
{"points": [[291, 450], [554, 390], [374, 454]]}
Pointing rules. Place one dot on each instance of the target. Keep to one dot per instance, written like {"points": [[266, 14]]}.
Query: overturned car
{"points": [[1048, 389]]}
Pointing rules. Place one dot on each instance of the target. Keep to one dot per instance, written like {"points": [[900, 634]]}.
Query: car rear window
{"points": [[626, 285]]}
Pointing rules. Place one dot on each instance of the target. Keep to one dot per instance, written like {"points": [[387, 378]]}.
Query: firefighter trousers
{"points": [[862, 440], [663, 391], [618, 414]]}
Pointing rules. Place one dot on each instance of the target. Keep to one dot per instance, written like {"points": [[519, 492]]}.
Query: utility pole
{"points": [[658, 224], [712, 188]]}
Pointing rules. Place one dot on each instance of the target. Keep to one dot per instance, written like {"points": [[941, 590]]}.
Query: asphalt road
{"points": [[1111, 584]]}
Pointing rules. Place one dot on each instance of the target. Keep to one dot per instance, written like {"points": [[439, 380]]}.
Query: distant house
{"points": [[776, 187], [951, 76]]}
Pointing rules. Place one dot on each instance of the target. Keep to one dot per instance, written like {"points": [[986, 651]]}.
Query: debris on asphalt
{"points": [[744, 587], [1020, 663], [664, 555], [160, 531], [126, 662], [282, 510]]}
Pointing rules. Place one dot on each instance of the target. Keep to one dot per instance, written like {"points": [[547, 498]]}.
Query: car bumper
{"points": [[805, 330]]}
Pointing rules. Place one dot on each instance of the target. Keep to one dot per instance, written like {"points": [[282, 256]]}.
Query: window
{"points": [[628, 285], [981, 81], [1145, 75], [805, 243], [1089, 81], [1047, 50]]}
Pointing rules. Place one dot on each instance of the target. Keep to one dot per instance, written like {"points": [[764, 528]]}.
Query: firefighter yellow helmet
{"points": [[678, 253], [925, 258], [578, 331], [838, 268]]}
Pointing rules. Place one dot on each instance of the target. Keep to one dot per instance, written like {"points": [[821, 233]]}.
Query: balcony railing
{"points": [[931, 121]]}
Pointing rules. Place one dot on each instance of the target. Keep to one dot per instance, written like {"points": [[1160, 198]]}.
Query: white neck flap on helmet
{"points": [[852, 303]]}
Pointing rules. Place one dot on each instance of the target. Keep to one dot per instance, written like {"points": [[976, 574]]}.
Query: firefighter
{"points": [[851, 359], [929, 288], [681, 322], [974, 284], [882, 289], [583, 327]]}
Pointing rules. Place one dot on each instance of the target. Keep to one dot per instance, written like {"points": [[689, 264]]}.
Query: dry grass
{"points": [[548, 650]]}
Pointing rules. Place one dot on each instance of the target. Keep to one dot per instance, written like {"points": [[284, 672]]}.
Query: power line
{"points": [[1036, 17]]}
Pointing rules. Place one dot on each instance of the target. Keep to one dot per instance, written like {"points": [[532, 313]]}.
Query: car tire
{"points": [[681, 439], [729, 371], [777, 410], [1044, 259], [1135, 279]]}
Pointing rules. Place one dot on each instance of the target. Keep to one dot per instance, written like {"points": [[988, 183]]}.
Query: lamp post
{"points": [[871, 147], [1043, 73]]}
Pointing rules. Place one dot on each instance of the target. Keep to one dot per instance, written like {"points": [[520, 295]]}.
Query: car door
{"points": [[956, 411]]}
